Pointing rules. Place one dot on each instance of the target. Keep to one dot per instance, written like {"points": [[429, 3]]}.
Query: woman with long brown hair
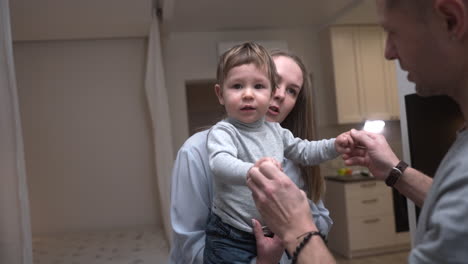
{"points": [[192, 187]]}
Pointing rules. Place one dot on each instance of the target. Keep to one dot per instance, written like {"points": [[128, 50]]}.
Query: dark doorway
{"points": [[433, 123], [203, 108]]}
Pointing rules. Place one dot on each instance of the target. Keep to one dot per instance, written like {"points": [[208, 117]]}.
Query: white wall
{"points": [[193, 56], [87, 135], [83, 19]]}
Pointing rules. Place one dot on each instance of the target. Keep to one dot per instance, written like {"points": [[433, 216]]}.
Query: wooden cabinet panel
{"points": [[364, 81], [364, 222], [366, 189], [375, 103], [371, 231], [346, 75], [375, 204]]}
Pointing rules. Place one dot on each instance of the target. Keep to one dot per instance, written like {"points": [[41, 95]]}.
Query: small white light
{"points": [[374, 126]]}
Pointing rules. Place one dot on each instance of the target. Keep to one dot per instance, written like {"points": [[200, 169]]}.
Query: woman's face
{"points": [[289, 85]]}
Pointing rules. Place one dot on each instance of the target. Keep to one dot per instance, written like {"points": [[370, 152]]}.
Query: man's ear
{"points": [[219, 93], [454, 13]]}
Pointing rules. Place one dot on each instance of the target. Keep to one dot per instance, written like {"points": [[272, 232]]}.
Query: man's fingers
{"points": [[362, 138], [277, 240], [253, 187], [256, 178], [355, 152], [361, 161], [269, 170], [350, 139]]}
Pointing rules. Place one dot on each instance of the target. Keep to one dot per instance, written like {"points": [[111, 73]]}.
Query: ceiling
{"points": [[217, 15], [88, 19]]}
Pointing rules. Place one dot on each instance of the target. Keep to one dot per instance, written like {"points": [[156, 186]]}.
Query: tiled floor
{"points": [[394, 258], [122, 246]]}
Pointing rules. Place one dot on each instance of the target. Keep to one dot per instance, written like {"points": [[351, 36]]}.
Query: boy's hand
{"points": [[344, 143], [264, 159], [274, 161]]}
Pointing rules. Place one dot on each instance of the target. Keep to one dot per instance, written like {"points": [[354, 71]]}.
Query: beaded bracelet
{"points": [[301, 245]]}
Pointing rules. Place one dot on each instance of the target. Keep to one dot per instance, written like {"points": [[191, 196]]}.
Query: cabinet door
{"points": [[371, 231], [365, 82], [375, 99], [345, 70], [391, 89]]}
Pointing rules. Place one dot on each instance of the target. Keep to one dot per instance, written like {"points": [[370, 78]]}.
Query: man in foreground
{"points": [[430, 40]]}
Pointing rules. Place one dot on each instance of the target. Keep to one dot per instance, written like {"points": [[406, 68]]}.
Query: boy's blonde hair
{"points": [[247, 53]]}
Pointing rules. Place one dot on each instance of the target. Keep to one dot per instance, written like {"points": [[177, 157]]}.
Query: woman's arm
{"points": [[191, 198]]}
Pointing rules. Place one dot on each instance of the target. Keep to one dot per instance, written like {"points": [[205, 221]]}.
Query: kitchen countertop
{"points": [[350, 178]]}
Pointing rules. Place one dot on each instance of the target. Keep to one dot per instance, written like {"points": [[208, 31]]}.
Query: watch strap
{"points": [[396, 173], [402, 166]]}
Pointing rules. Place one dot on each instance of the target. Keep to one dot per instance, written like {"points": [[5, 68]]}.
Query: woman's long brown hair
{"points": [[301, 122]]}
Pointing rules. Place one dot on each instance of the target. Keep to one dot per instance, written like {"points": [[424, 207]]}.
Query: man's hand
{"points": [[372, 151], [270, 159], [283, 206]]}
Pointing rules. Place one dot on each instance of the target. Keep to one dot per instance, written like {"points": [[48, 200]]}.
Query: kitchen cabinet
{"points": [[364, 81], [364, 221]]}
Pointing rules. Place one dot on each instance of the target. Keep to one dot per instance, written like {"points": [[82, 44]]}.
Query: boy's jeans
{"points": [[226, 244]]}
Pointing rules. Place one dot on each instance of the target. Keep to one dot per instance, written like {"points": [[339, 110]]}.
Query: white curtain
{"points": [[156, 95], [15, 227]]}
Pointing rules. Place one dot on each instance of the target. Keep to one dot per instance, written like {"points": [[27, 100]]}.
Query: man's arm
{"points": [[373, 152], [414, 185], [320, 213], [443, 217], [285, 209]]}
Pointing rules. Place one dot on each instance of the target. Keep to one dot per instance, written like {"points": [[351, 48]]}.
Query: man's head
{"points": [[412, 4], [429, 38]]}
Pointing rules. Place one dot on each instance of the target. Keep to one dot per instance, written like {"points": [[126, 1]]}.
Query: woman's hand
{"points": [[269, 249]]}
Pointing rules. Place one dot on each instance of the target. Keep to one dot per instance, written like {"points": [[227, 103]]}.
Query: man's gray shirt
{"points": [[442, 232]]}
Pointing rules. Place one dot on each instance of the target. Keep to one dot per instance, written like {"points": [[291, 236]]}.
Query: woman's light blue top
{"points": [[192, 196]]}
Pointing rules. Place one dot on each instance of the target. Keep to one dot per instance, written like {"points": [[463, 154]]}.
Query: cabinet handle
{"points": [[369, 201], [371, 221], [368, 185]]}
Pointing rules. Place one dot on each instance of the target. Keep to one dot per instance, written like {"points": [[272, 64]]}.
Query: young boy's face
{"points": [[246, 93]]}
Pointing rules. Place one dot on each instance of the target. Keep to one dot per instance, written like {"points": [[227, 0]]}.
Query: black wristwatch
{"points": [[396, 173]]}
